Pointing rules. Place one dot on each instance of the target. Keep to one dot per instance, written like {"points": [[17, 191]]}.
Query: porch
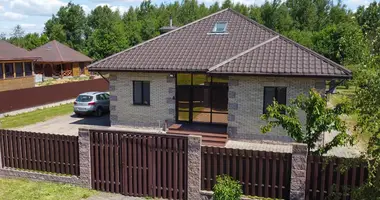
{"points": [[212, 134]]}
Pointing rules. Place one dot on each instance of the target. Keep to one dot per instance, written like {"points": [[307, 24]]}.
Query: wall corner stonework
{"points": [[84, 157], [298, 173], [194, 167]]}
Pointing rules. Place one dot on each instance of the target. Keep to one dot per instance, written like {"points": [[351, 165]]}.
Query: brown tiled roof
{"points": [[246, 48], [56, 52], [9, 51]]}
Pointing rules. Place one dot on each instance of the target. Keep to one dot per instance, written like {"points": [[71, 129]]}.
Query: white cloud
{"points": [[36, 7], [28, 25], [12, 16], [86, 9], [122, 9]]}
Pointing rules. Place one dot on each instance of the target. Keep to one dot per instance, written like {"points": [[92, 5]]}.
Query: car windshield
{"points": [[84, 98]]}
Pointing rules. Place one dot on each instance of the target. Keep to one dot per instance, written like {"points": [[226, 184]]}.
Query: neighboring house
{"points": [[58, 60], [16, 67], [215, 75]]}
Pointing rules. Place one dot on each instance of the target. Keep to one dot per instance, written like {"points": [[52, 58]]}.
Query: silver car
{"points": [[92, 103]]}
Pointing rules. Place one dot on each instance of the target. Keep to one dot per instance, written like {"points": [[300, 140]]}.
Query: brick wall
{"points": [[162, 102], [16, 83], [246, 96]]}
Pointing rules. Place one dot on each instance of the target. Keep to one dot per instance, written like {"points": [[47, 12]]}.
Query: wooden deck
{"points": [[212, 135]]}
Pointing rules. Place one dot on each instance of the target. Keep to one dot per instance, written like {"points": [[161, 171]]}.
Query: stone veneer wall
{"points": [[245, 104], [162, 100]]}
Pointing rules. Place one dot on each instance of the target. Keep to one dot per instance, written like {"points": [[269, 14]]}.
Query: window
{"points": [[220, 27], [19, 70], [1, 71], [9, 70], [84, 98], [271, 93], [28, 69], [141, 92]]}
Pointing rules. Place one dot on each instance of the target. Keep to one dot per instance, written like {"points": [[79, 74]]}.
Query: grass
{"points": [[36, 116], [21, 189], [342, 94]]}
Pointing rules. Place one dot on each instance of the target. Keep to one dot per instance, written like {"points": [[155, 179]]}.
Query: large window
{"points": [[19, 70], [274, 93], [28, 69], [141, 92], [9, 70], [202, 98]]}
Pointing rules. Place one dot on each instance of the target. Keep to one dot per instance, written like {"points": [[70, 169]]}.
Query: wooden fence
{"points": [[264, 174], [31, 97], [40, 152], [324, 177], [137, 164]]}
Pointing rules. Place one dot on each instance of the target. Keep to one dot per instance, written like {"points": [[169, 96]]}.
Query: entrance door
{"points": [[202, 99]]}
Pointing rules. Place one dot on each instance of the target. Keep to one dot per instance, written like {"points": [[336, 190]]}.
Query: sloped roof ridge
{"points": [[295, 43], [242, 53], [59, 52], [340, 67], [160, 36]]}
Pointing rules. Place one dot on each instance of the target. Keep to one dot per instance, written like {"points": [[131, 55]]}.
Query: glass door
{"points": [[202, 99], [183, 103]]}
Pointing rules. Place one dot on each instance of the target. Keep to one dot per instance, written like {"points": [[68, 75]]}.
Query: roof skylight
{"points": [[220, 27]]}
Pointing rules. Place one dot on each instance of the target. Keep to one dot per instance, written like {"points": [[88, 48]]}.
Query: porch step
{"points": [[208, 139]]}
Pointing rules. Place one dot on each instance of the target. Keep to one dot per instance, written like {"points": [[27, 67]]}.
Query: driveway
{"points": [[68, 124]]}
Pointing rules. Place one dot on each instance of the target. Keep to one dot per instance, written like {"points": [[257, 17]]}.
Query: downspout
{"points": [[103, 77], [331, 89]]}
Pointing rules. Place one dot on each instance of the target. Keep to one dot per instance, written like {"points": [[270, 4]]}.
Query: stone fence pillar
{"points": [[194, 167], [298, 174], [84, 158]]}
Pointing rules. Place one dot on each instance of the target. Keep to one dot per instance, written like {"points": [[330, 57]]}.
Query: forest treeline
{"points": [[348, 37]]}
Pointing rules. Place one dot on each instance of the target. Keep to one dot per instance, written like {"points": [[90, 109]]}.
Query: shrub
{"points": [[226, 188]]}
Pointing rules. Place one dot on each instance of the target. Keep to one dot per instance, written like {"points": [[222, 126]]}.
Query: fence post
{"points": [[84, 157], [298, 175], [194, 167]]}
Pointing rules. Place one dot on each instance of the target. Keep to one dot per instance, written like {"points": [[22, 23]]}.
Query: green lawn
{"points": [[35, 116], [20, 189]]}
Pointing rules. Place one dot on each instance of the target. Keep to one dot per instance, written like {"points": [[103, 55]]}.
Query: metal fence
{"points": [[39, 152], [329, 177], [31, 97], [137, 164], [264, 174]]}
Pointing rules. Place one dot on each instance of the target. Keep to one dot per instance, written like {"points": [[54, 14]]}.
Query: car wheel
{"points": [[99, 112], [78, 114]]}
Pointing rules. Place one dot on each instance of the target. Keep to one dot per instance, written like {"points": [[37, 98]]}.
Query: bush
{"points": [[226, 188]]}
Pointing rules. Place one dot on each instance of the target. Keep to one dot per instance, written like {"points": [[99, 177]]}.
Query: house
{"points": [[213, 77], [16, 67], [58, 60]]}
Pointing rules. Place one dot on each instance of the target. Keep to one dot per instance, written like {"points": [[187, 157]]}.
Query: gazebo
{"points": [[58, 60]]}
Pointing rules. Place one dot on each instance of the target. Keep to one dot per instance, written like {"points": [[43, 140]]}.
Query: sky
{"points": [[32, 14]]}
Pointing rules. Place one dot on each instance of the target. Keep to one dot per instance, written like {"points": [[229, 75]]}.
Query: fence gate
{"points": [[138, 164]]}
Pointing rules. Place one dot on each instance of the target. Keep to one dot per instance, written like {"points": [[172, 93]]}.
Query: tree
{"points": [[366, 103], [343, 43], [227, 4], [3, 36], [71, 21], [133, 27], [34, 40], [304, 13], [368, 19], [319, 119], [17, 36], [108, 36]]}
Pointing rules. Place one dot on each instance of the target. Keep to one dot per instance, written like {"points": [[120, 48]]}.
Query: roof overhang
{"points": [[226, 73]]}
